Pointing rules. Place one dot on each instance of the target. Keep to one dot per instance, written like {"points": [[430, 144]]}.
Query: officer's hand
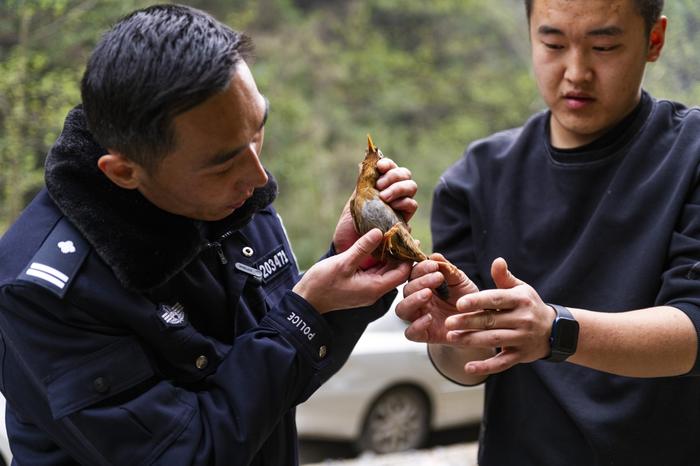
{"points": [[421, 306], [395, 187], [339, 282]]}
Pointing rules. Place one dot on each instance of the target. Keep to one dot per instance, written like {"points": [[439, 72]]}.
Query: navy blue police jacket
{"points": [[132, 336]]}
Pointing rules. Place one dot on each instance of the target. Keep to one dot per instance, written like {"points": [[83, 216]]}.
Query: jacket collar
{"points": [[142, 244]]}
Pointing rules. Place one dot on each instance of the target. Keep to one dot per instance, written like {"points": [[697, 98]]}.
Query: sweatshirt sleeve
{"points": [[451, 220], [680, 283]]}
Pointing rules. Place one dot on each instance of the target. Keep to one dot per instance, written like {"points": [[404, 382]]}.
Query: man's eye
{"points": [[553, 46], [223, 169], [605, 48]]}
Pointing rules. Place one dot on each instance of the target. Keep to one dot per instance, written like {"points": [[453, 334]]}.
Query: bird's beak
{"points": [[370, 145]]}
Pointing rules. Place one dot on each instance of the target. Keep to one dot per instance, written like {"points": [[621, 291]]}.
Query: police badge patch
{"points": [[173, 316]]}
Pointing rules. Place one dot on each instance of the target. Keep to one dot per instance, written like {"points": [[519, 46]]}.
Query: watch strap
{"points": [[557, 354]]}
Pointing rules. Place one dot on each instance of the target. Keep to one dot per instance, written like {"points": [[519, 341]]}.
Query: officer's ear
{"points": [[118, 168]]}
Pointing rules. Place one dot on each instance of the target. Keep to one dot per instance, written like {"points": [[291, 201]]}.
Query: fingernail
{"points": [[463, 304]]}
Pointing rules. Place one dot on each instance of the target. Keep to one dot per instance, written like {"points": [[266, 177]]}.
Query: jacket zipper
{"points": [[219, 249]]}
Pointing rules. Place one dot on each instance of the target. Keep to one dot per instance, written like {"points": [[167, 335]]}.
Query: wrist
{"points": [[304, 292]]}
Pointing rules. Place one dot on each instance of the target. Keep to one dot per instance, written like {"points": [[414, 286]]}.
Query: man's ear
{"points": [[122, 171], [657, 39]]}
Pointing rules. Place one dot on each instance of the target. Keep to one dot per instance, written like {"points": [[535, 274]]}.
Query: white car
{"points": [[5, 454], [388, 396]]}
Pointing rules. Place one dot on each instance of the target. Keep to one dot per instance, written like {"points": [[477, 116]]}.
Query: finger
{"points": [[479, 320], [385, 164], [418, 330], [411, 306], [397, 189], [498, 338], [453, 276], [436, 256], [407, 206], [502, 277], [392, 276], [395, 175], [500, 362], [423, 268], [430, 281], [488, 299], [363, 247]]}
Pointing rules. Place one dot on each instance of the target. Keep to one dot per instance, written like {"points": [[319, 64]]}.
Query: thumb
{"points": [[451, 273], [502, 276], [363, 247]]}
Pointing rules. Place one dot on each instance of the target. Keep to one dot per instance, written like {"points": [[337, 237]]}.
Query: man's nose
{"points": [[578, 67]]}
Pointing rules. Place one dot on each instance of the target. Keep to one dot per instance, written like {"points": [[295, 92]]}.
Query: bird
{"points": [[369, 211]]}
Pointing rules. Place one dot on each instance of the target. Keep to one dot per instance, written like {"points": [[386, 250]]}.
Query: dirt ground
{"points": [[454, 447]]}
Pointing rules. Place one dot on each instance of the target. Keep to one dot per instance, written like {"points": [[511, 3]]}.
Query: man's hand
{"points": [[512, 317], [426, 311], [395, 187], [339, 282]]}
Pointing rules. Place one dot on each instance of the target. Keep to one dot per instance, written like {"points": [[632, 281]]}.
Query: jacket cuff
{"points": [[302, 325]]}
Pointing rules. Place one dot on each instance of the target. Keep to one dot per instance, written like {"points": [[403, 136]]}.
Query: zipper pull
{"points": [[219, 251]]}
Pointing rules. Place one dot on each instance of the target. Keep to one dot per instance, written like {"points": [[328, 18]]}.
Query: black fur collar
{"points": [[144, 245]]}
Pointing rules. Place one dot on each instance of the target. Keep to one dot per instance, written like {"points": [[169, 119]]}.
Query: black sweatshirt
{"points": [[612, 226]]}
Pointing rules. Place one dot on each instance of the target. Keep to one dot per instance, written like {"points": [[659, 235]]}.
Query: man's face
{"points": [[589, 58], [215, 165]]}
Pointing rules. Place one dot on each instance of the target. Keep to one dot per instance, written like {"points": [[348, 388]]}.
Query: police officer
{"points": [[151, 309]]}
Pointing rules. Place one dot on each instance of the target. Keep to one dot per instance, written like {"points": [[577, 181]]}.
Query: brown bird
{"points": [[369, 211]]}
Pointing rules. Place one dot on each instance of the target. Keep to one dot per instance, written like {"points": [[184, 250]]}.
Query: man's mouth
{"points": [[577, 100]]}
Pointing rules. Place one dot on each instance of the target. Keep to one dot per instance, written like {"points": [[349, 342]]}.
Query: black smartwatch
{"points": [[564, 337]]}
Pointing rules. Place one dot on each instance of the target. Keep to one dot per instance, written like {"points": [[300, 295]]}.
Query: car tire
{"points": [[397, 420]]}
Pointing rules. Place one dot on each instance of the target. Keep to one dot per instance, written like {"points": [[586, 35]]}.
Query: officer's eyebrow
{"points": [[224, 157]]}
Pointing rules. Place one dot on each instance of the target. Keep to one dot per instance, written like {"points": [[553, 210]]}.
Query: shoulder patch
{"points": [[58, 260]]}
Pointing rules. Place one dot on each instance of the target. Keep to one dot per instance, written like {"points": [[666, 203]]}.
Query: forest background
{"points": [[423, 77]]}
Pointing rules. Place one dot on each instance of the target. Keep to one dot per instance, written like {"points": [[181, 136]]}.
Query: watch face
{"points": [[566, 335]]}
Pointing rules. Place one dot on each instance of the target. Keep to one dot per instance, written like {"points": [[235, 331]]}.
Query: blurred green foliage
{"points": [[423, 78]]}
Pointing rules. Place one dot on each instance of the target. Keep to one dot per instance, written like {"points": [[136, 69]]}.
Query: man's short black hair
{"points": [[650, 10], [152, 65]]}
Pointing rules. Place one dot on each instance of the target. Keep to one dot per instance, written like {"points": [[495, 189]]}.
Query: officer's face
{"points": [[589, 58], [215, 166]]}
